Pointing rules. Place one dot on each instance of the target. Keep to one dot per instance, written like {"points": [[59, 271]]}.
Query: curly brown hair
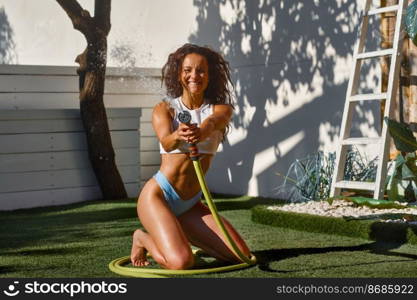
{"points": [[218, 90]]}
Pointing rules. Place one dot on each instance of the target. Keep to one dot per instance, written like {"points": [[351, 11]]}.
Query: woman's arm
{"points": [[218, 120], [162, 124]]}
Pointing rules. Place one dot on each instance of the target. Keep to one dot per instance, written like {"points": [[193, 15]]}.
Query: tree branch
{"points": [[102, 10], [80, 18]]}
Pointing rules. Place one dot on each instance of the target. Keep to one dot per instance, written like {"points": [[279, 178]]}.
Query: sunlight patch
{"points": [[268, 26], [245, 44]]}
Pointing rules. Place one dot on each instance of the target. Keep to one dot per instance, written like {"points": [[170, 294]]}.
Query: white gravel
{"points": [[342, 208]]}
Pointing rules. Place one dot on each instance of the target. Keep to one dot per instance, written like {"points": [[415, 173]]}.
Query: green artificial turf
{"points": [[371, 228], [80, 240]]}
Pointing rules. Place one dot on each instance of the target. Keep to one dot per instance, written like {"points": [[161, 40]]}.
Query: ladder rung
{"points": [[368, 97], [375, 53], [361, 141], [357, 185], [382, 10]]}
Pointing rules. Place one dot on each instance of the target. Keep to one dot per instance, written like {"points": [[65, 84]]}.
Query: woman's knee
{"points": [[180, 260]]}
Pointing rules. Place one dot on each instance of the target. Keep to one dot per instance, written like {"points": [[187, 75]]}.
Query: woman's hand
{"points": [[189, 133]]}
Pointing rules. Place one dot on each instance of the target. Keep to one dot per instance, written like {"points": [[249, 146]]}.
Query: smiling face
{"points": [[194, 75]]}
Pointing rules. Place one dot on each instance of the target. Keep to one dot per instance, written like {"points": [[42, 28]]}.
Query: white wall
{"points": [[44, 157], [290, 61], [147, 30]]}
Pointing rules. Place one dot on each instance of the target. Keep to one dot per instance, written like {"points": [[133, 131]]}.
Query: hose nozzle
{"points": [[185, 118]]}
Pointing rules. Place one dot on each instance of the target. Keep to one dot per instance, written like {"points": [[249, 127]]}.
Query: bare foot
{"points": [[138, 252]]}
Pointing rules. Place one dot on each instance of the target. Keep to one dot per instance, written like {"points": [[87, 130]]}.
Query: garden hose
{"points": [[117, 265], [213, 209]]}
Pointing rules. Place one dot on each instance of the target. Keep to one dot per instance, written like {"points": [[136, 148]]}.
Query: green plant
{"points": [[411, 21], [405, 167], [310, 178]]}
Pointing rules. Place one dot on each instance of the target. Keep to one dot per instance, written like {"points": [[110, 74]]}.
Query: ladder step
{"points": [[357, 185], [368, 97], [361, 141], [375, 53], [382, 10]]}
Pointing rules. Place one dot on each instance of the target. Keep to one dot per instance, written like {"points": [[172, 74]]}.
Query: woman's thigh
{"points": [[160, 223], [203, 232]]}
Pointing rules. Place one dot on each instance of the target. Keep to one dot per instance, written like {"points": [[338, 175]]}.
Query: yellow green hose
{"points": [[200, 174], [117, 265]]}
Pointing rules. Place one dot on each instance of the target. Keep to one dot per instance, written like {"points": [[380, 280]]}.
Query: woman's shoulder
{"points": [[161, 105], [165, 106], [223, 108], [168, 103]]}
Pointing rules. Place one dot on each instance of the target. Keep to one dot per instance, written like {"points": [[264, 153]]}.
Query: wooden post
{"points": [[387, 28], [409, 83], [412, 84]]}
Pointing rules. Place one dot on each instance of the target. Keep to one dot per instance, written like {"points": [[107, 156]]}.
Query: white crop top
{"points": [[209, 145]]}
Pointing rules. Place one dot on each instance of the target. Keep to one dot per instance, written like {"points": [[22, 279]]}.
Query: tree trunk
{"points": [[92, 73]]}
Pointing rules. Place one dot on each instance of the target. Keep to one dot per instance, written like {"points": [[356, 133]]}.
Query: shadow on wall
{"points": [[285, 57], [8, 53]]}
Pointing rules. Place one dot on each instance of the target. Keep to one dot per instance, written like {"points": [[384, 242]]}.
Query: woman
{"points": [[169, 206]]}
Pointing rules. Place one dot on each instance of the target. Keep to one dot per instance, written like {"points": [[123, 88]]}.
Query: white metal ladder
{"points": [[352, 98]]}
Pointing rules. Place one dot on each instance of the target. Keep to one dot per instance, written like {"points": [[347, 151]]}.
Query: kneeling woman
{"points": [[169, 207]]}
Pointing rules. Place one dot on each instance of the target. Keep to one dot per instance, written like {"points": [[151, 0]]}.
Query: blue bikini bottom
{"points": [[177, 205]]}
